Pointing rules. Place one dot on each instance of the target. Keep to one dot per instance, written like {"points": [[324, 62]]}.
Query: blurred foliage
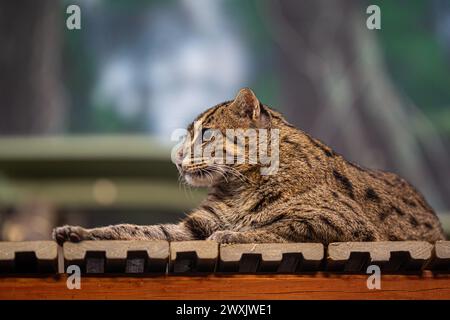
{"points": [[107, 119], [253, 28], [417, 61], [81, 72]]}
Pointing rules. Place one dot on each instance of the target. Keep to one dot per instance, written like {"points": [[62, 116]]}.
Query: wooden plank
{"points": [[29, 257], [390, 256], [273, 257], [441, 257], [230, 287], [193, 256], [118, 256]]}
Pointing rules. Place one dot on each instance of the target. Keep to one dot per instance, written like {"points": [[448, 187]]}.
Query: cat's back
{"points": [[394, 205], [322, 177]]}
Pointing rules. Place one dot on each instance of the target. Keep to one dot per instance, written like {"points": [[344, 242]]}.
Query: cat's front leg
{"points": [[121, 232], [197, 226], [254, 236]]}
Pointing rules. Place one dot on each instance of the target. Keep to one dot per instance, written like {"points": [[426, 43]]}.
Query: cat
{"points": [[315, 196]]}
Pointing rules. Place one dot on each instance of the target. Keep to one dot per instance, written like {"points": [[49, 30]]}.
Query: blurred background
{"points": [[86, 115]]}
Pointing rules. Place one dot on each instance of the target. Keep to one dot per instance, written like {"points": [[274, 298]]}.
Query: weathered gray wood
{"points": [[28, 257], [193, 256], [136, 261], [441, 257], [201, 256], [390, 256], [95, 262], [118, 256], [271, 257]]}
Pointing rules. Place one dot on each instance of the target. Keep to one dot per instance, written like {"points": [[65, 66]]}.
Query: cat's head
{"points": [[221, 145]]}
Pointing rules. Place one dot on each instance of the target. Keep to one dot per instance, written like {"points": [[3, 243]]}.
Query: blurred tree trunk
{"points": [[30, 57], [30, 93], [336, 87]]}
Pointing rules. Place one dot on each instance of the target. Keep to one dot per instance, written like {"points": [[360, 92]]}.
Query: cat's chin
{"points": [[197, 181]]}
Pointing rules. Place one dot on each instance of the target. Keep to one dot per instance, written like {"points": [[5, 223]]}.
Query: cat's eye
{"points": [[207, 134]]}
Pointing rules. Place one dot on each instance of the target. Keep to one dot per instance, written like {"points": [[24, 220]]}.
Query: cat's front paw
{"points": [[226, 237], [70, 233]]}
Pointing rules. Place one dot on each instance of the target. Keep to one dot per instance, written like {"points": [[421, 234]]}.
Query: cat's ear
{"points": [[247, 104]]}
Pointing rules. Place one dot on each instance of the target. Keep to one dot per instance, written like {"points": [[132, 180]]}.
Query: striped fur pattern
{"points": [[316, 195]]}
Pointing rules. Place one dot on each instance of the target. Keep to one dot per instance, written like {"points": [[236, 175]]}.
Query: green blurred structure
{"points": [[102, 179]]}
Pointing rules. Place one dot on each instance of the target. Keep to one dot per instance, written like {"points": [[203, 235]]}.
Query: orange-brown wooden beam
{"points": [[313, 286]]}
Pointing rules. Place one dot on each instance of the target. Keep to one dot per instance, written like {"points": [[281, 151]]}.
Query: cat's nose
{"points": [[179, 157], [182, 161]]}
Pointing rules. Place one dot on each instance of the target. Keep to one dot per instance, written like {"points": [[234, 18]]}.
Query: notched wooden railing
{"points": [[117, 256], [28, 257], [141, 257], [277, 257]]}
